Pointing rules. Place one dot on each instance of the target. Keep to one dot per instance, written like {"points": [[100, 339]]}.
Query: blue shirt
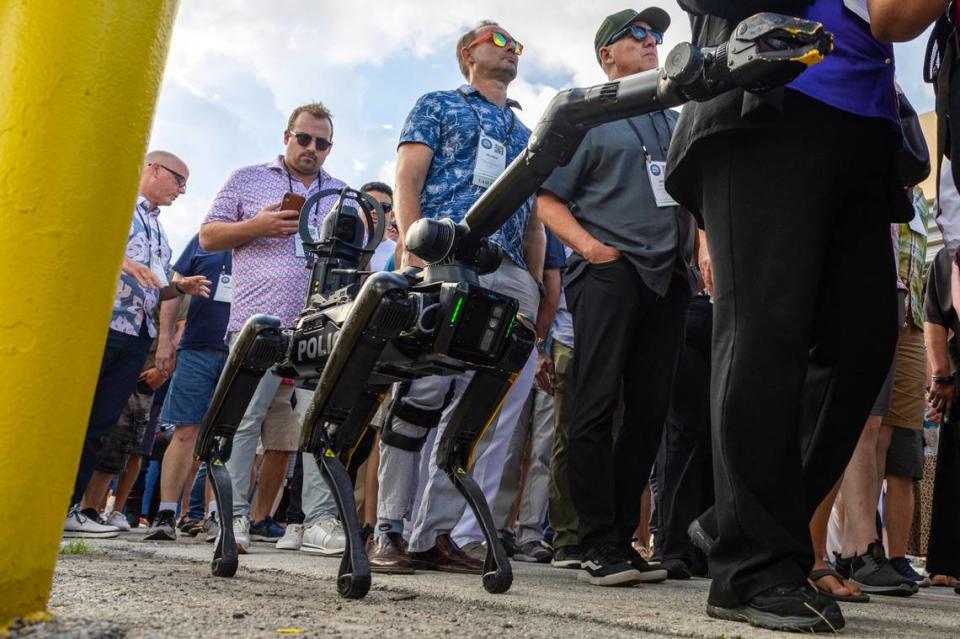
{"points": [[858, 77], [556, 255], [133, 305], [447, 122], [206, 319]]}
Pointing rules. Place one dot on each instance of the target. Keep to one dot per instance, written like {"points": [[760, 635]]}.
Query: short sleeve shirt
{"points": [[206, 318], [268, 276], [556, 257], [449, 122], [133, 305], [606, 187]]}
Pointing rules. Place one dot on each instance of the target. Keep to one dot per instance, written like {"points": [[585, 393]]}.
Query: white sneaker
{"points": [[241, 533], [324, 537], [292, 537], [119, 521], [79, 525]]}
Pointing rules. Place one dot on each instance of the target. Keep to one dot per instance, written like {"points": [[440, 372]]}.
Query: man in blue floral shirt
{"points": [[143, 283], [453, 145]]}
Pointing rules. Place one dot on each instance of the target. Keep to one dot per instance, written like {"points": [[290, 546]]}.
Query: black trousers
{"points": [[684, 467], [797, 220], [123, 359], [942, 555], [625, 334]]}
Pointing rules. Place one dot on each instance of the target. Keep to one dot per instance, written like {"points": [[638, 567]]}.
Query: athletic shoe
{"points": [[189, 527], [533, 552], [650, 574], [266, 530], [241, 533], [210, 528], [904, 569], [676, 569], [606, 565], [509, 543], [476, 550], [567, 557], [875, 576], [292, 538], [324, 537], [78, 524], [797, 608], [119, 521], [164, 527]]}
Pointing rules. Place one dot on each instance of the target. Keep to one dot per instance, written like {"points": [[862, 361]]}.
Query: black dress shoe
{"points": [[793, 608]]}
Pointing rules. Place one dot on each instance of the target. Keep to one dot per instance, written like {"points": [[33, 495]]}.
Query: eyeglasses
{"points": [[638, 33], [304, 140], [499, 40], [181, 181], [386, 206]]}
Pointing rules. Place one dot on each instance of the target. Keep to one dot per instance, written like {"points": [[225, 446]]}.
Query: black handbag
{"points": [[913, 159]]}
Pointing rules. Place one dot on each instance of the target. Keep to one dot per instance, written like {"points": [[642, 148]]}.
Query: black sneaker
{"points": [[649, 574], [875, 576], [796, 608], [533, 552], [676, 569], [164, 527], [905, 570], [842, 564], [606, 565], [509, 543], [567, 557]]}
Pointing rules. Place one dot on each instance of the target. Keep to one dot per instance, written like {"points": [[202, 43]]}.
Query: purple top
{"points": [[858, 76], [268, 277]]}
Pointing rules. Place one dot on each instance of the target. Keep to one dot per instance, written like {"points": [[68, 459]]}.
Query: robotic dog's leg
{"points": [[345, 402], [476, 410], [258, 347]]}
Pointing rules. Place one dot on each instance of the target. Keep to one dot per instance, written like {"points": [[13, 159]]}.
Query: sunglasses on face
{"points": [[304, 140], [181, 181], [638, 33], [498, 39]]}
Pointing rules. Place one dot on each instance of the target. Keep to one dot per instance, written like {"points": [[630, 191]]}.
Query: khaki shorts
{"points": [[910, 371], [281, 428]]}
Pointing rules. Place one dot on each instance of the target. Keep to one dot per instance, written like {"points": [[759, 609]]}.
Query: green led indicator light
{"points": [[510, 328], [456, 312]]}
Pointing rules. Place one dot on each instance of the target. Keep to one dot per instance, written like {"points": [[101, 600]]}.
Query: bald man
{"points": [[144, 282]]}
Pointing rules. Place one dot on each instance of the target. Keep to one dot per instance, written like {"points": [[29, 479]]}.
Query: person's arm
{"points": [[558, 218], [903, 20], [194, 285], [166, 350], [545, 313], [413, 162], [703, 261], [268, 222], [535, 246], [942, 393]]}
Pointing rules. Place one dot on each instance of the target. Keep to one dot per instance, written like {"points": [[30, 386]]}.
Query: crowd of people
{"points": [[759, 342]]}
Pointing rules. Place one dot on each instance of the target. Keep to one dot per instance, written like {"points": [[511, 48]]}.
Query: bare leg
{"points": [[642, 533], [185, 492], [898, 514], [371, 487], [177, 464], [127, 479], [861, 491], [272, 471], [818, 533], [95, 494]]}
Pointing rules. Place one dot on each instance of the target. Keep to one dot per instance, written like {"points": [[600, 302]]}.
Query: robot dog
{"points": [[359, 333]]}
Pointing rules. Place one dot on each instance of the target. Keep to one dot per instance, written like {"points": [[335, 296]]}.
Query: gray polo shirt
{"points": [[608, 191]]}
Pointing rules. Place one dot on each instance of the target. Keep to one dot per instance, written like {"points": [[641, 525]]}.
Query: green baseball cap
{"points": [[613, 23]]}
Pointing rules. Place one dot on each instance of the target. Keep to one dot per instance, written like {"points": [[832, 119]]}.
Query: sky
{"points": [[237, 68]]}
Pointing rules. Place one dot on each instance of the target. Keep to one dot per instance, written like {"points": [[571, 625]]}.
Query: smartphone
{"points": [[292, 202]]}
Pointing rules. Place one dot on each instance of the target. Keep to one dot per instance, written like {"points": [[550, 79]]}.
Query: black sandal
{"points": [[817, 575]]}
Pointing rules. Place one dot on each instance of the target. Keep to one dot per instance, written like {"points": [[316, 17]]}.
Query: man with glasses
{"points": [[143, 283], [453, 146], [632, 245], [270, 276]]}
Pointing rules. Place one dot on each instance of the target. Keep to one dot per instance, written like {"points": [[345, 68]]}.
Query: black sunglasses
{"points": [[638, 33], [304, 140], [181, 181]]}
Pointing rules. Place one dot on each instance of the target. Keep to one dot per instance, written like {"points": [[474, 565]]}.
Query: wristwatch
{"points": [[541, 345]]}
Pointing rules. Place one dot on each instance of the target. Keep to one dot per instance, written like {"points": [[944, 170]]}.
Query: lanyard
{"points": [[653, 124], [513, 117], [146, 226], [290, 179]]}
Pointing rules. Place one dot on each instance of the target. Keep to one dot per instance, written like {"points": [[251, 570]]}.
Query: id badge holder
{"points": [[224, 289], [656, 172], [491, 161], [298, 246], [158, 271]]}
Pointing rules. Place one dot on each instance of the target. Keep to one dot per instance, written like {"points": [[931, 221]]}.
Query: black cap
{"points": [[654, 16]]}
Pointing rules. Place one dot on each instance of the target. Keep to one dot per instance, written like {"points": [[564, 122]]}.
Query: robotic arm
{"points": [[360, 333]]}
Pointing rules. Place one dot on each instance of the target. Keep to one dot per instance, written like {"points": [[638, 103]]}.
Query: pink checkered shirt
{"points": [[268, 277]]}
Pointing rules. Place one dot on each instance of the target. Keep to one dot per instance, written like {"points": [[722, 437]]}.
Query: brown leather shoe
{"points": [[388, 554], [446, 556]]}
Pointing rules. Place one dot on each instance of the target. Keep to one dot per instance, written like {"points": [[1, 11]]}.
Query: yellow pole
{"points": [[79, 82]]}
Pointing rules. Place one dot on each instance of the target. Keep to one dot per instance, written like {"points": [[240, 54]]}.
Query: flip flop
{"points": [[943, 581], [817, 575]]}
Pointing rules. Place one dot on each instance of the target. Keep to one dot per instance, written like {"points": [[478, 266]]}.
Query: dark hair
{"points": [[379, 187], [316, 109], [469, 37]]}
